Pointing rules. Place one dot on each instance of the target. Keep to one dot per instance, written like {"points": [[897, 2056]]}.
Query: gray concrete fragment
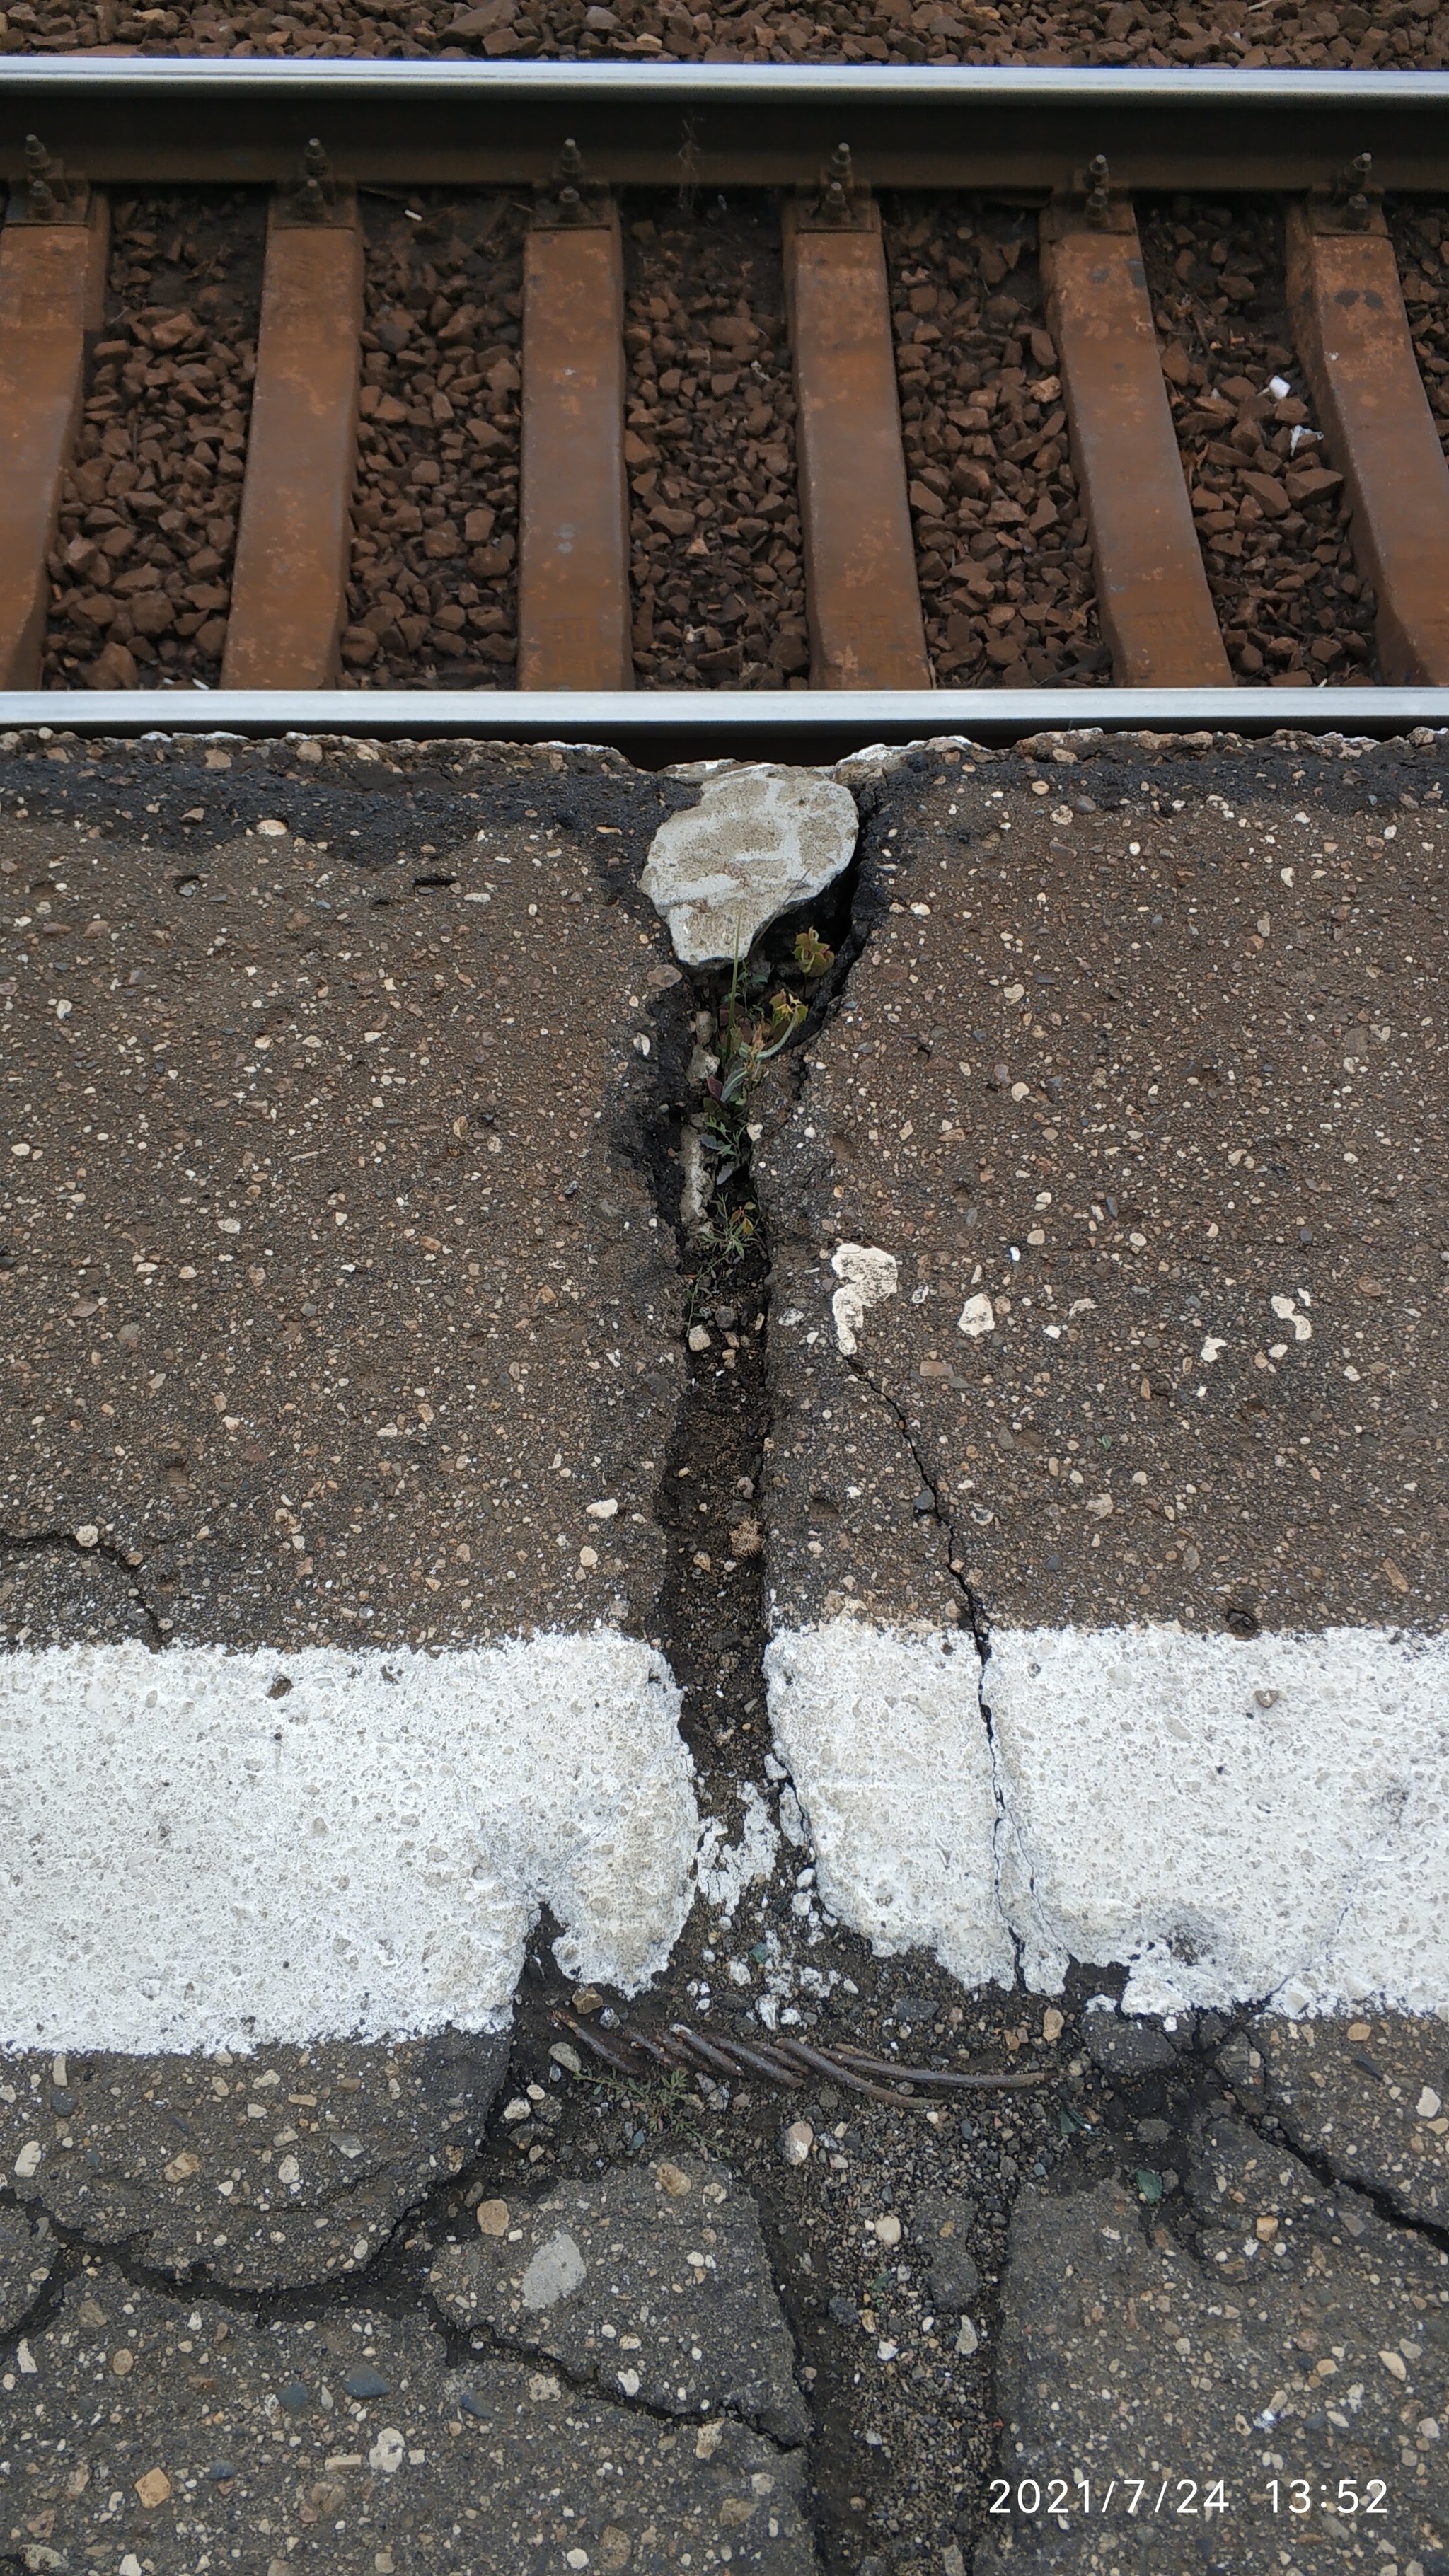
{"points": [[651, 2281], [26, 2260], [760, 841], [167, 2437], [1369, 2097], [1301, 2339], [265, 2172]]}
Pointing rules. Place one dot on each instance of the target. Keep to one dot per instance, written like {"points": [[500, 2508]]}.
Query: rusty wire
{"points": [[785, 2060]]}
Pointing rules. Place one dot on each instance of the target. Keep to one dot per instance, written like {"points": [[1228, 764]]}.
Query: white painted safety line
{"points": [[1231, 1821], [189, 1862]]}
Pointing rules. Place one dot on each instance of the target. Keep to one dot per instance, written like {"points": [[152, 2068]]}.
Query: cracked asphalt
{"points": [[342, 1272]]}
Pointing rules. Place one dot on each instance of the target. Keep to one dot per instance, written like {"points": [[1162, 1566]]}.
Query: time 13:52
{"points": [[1298, 2495]]}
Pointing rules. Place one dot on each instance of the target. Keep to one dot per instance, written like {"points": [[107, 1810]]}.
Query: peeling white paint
{"points": [[1231, 1821], [724, 1870], [883, 1737], [187, 1862]]}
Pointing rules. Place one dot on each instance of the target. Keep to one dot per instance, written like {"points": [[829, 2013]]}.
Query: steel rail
{"points": [[174, 119], [702, 724]]}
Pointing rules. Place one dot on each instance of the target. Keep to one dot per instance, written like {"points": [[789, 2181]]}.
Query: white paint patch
{"points": [[1230, 1821], [760, 840], [724, 1870], [1233, 1820], [868, 1277], [189, 1863], [884, 1740]]}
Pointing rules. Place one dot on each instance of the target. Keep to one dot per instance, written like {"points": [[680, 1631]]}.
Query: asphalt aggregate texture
{"points": [[900, 2265], [1370, 2098], [654, 2280], [263, 1059], [1382, 34], [290, 2166], [1189, 2395], [1141, 1064], [357, 2442]]}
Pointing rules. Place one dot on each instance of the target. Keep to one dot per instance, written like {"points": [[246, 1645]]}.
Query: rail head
{"points": [[182, 119], [652, 728]]}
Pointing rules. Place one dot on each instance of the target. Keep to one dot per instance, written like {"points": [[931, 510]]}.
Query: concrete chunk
{"points": [[653, 2282], [760, 841]]}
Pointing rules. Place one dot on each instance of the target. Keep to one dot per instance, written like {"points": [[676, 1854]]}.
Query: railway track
{"points": [[974, 385]]}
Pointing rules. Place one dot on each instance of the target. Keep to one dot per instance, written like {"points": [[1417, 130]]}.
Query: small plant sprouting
{"points": [[812, 957], [752, 1031]]}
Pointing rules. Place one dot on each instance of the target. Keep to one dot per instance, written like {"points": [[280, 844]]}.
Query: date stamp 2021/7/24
{"points": [[1185, 2499]]}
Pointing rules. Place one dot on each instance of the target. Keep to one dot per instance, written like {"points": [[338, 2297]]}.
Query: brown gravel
{"points": [[719, 596], [433, 594], [1271, 516], [1001, 551], [1385, 34], [142, 561], [141, 566]]}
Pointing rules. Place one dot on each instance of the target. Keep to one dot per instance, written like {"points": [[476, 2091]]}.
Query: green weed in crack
{"points": [[751, 1026]]}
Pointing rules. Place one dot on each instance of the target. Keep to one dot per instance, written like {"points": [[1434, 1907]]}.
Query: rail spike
{"points": [[315, 193], [837, 187], [45, 185], [1353, 190]]}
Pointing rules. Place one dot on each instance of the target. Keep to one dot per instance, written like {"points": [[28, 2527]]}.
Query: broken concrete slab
{"points": [[652, 2281], [1287, 2358], [1082, 1101], [1230, 1818], [328, 1226], [355, 1285], [760, 841], [348, 2443], [27, 2258], [893, 1767], [1370, 2099], [262, 2172], [1046, 1019]]}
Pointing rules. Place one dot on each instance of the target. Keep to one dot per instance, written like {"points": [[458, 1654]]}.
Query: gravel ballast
{"points": [[1385, 35]]}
